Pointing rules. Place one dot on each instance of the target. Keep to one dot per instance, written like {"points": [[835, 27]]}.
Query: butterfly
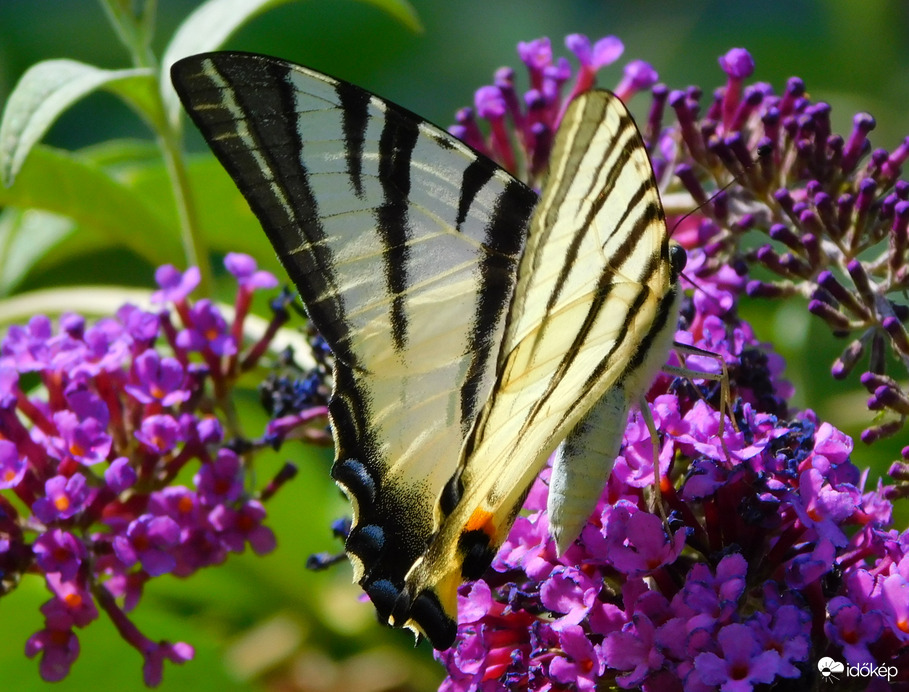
{"points": [[476, 325]]}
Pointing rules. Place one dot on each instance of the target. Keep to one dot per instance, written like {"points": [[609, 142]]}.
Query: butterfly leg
{"points": [[722, 377], [656, 498]]}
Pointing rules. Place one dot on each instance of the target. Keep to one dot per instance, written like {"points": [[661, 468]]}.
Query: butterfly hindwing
{"points": [[469, 340], [594, 312]]}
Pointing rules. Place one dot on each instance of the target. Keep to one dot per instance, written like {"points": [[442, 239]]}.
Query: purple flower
{"points": [[71, 602], [244, 268], [767, 510], [737, 63], [120, 475], [106, 349], [536, 117], [199, 547], [853, 630], [741, 664], [207, 330], [489, 102], [571, 592], [895, 602], [180, 504], [149, 540], [12, 466], [63, 498], [634, 651], [84, 440], [221, 480], [605, 52], [637, 76], [787, 632], [536, 54], [159, 433], [158, 380], [636, 542], [29, 348], [152, 669], [581, 664], [59, 551], [100, 392], [59, 648], [238, 527], [141, 327], [175, 285]]}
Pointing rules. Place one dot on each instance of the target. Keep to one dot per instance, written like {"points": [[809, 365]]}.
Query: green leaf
{"points": [[48, 88], [216, 20], [134, 23], [25, 237], [107, 210], [223, 215]]}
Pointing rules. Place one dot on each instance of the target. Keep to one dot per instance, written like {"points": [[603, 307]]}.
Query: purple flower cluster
{"points": [[834, 210], [97, 423], [774, 555], [521, 129]]}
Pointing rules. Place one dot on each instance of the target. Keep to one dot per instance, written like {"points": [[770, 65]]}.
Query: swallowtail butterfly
{"points": [[475, 324]]}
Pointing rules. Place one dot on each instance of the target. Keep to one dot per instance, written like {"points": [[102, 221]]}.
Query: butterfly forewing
{"points": [[403, 244], [462, 358]]}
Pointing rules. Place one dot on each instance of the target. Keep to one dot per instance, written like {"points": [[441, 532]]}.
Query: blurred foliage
{"points": [[266, 623]]}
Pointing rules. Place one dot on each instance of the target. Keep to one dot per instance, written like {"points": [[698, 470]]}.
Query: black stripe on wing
{"points": [[599, 198], [355, 119], [656, 263], [396, 145], [504, 237]]}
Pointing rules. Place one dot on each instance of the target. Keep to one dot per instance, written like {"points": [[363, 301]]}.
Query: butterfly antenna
{"points": [[762, 151], [682, 349]]}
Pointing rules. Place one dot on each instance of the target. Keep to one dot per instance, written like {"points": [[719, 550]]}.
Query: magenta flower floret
{"points": [[149, 540], [158, 380], [207, 331], [175, 285], [604, 52], [741, 664], [59, 649], [737, 63], [248, 275], [12, 465], [91, 457], [63, 498], [59, 551]]}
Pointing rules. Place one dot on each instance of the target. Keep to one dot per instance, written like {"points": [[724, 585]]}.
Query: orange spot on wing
{"points": [[481, 519]]}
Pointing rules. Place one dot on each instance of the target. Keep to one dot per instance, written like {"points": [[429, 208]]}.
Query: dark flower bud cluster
{"points": [[100, 426], [776, 556], [294, 396]]}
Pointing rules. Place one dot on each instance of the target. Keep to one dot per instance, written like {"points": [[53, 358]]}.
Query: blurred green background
{"points": [[265, 623]]}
